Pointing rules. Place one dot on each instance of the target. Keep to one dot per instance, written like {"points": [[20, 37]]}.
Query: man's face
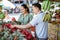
{"points": [[35, 9]]}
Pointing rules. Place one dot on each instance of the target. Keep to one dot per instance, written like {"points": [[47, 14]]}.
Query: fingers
{"points": [[12, 26]]}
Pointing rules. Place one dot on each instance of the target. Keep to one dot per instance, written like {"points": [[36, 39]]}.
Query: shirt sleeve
{"points": [[36, 20]]}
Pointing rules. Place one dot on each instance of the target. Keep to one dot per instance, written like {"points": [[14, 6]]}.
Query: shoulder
{"points": [[30, 15], [41, 14], [21, 14]]}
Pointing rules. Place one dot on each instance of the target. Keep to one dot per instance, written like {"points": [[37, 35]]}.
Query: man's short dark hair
{"points": [[37, 5]]}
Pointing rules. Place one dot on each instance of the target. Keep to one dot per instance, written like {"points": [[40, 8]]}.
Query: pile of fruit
{"points": [[8, 33], [48, 16], [46, 5]]}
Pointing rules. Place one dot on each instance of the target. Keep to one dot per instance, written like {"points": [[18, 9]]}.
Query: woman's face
{"points": [[23, 10]]}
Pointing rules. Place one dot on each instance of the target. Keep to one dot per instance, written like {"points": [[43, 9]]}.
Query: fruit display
{"points": [[8, 33], [57, 16], [14, 33], [47, 16], [46, 5], [28, 35], [52, 31]]}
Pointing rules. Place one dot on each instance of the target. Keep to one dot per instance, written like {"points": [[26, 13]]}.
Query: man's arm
{"points": [[23, 26], [33, 22]]}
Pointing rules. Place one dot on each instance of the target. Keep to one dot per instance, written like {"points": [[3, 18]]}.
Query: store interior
{"points": [[12, 8]]}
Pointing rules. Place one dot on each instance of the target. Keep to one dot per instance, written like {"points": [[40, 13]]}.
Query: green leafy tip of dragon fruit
{"points": [[6, 35]]}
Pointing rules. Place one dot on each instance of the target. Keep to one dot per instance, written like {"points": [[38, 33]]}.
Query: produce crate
{"points": [[0, 0], [52, 31]]}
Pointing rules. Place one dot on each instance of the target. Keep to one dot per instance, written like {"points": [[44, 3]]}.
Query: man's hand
{"points": [[17, 26], [21, 26], [12, 26]]}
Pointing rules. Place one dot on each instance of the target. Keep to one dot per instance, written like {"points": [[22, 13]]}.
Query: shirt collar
{"points": [[37, 14]]}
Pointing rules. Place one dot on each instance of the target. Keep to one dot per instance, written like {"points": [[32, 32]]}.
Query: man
{"points": [[41, 28]]}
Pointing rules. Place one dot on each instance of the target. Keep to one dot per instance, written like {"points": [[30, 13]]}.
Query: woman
{"points": [[25, 17], [7, 17]]}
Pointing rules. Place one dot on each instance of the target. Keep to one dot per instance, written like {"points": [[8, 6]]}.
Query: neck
{"points": [[38, 12], [25, 13]]}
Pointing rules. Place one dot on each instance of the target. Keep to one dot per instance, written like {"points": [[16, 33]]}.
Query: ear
{"points": [[26, 9]]}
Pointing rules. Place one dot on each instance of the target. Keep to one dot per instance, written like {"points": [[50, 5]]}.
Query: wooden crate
{"points": [[0, 0], [52, 32]]}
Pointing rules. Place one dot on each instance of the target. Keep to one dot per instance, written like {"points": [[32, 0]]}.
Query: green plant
{"points": [[52, 7], [2, 15], [58, 5]]}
